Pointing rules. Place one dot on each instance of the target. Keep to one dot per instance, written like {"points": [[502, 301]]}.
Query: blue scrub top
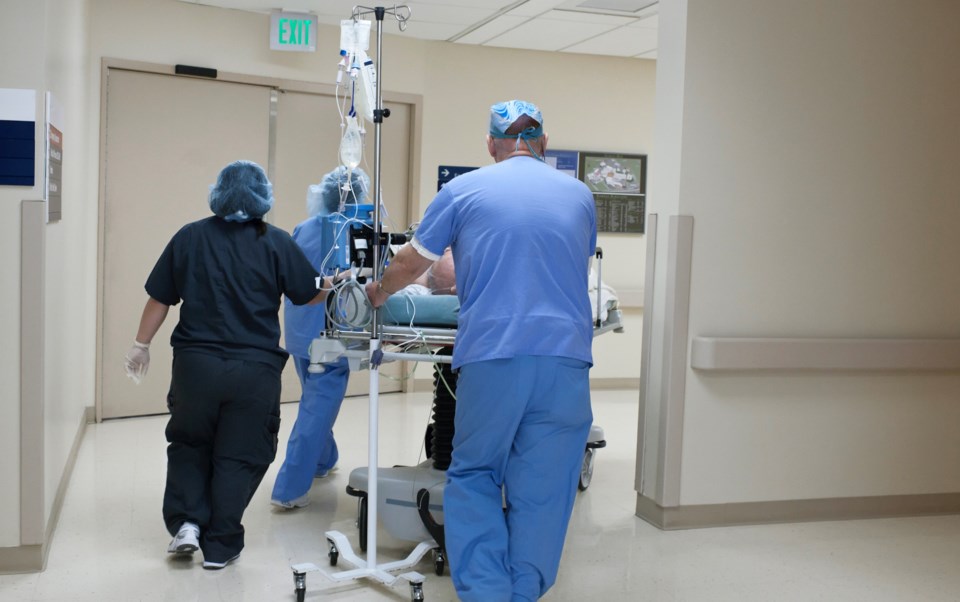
{"points": [[522, 234], [230, 280], [302, 324]]}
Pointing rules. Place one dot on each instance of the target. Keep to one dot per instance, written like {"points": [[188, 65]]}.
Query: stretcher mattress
{"points": [[421, 310]]}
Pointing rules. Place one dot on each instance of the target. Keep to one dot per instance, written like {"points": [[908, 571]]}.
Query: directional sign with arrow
{"points": [[445, 173]]}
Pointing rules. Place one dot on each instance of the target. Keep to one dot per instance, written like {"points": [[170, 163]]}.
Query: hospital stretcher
{"points": [[423, 328]]}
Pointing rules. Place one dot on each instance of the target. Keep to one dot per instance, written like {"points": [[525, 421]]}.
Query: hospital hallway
{"points": [[110, 543]]}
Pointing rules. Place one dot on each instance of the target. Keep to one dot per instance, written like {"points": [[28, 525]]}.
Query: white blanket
{"points": [[608, 296]]}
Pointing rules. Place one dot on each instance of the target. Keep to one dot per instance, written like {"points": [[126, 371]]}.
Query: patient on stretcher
{"points": [[432, 301], [439, 279]]}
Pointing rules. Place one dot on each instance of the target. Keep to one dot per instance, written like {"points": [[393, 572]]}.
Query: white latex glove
{"points": [[137, 361]]}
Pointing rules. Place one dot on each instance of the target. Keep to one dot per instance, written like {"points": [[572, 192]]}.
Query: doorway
{"points": [[165, 139]]}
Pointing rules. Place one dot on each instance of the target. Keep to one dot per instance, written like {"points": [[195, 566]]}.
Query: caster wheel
{"points": [[416, 592], [362, 524], [334, 554], [438, 561], [586, 469], [300, 586]]}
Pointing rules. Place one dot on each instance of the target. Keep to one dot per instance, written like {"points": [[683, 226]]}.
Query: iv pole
{"points": [[339, 544]]}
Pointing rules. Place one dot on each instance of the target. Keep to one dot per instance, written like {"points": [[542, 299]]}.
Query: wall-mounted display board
{"points": [[619, 186]]}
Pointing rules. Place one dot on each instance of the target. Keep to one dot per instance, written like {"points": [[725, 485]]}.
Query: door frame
{"points": [[280, 84]]}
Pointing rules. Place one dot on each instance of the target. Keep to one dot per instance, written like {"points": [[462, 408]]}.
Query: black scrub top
{"points": [[231, 281]]}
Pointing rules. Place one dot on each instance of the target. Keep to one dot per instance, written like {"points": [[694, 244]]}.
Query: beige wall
{"points": [[47, 39], [818, 145], [25, 73]]}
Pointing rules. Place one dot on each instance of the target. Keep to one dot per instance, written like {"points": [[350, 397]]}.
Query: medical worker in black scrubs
{"points": [[229, 271]]}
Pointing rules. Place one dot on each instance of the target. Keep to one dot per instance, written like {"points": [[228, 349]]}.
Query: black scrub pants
{"points": [[224, 419]]}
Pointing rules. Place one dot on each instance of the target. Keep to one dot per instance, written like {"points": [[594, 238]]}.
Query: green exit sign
{"points": [[293, 31]]}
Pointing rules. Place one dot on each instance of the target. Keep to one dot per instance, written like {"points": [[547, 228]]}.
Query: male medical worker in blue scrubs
{"points": [[522, 234]]}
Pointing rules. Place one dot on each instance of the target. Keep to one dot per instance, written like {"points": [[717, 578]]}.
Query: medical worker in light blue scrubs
{"points": [[311, 449], [522, 234]]}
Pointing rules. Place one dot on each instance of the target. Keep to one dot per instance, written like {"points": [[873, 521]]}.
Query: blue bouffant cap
{"points": [[242, 192], [324, 198], [503, 114]]}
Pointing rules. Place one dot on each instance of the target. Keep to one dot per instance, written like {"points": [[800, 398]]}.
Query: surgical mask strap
{"points": [[526, 135]]}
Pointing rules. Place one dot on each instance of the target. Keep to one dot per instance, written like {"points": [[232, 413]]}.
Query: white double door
{"points": [[166, 139]]}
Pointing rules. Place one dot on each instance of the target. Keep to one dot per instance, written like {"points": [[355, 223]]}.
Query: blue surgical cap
{"points": [[503, 114], [242, 192], [324, 198]]}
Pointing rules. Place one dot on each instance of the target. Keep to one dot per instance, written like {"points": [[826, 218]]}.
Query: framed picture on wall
{"points": [[619, 185]]}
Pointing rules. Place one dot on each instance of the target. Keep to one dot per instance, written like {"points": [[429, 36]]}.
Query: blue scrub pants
{"points": [[521, 427], [312, 448]]}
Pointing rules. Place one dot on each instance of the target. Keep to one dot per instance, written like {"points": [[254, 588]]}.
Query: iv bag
{"points": [[351, 145], [354, 36], [364, 95]]}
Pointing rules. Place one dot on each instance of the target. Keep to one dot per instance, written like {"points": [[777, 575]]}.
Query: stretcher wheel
{"points": [[334, 553], [416, 592], [586, 469], [362, 523], [438, 561], [300, 585]]}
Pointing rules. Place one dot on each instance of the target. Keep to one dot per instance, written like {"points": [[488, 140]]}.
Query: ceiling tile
{"points": [[447, 13], [653, 21], [547, 34], [492, 29], [625, 41], [428, 31], [580, 17], [491, 6], [533, 8], [631, 6]]}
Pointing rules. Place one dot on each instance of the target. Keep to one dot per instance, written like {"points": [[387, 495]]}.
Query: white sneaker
{"points": [[216, 566], [187, 540], [300, 502]]}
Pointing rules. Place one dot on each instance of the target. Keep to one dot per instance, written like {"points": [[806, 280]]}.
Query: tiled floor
{"points": [[110, 543]]}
